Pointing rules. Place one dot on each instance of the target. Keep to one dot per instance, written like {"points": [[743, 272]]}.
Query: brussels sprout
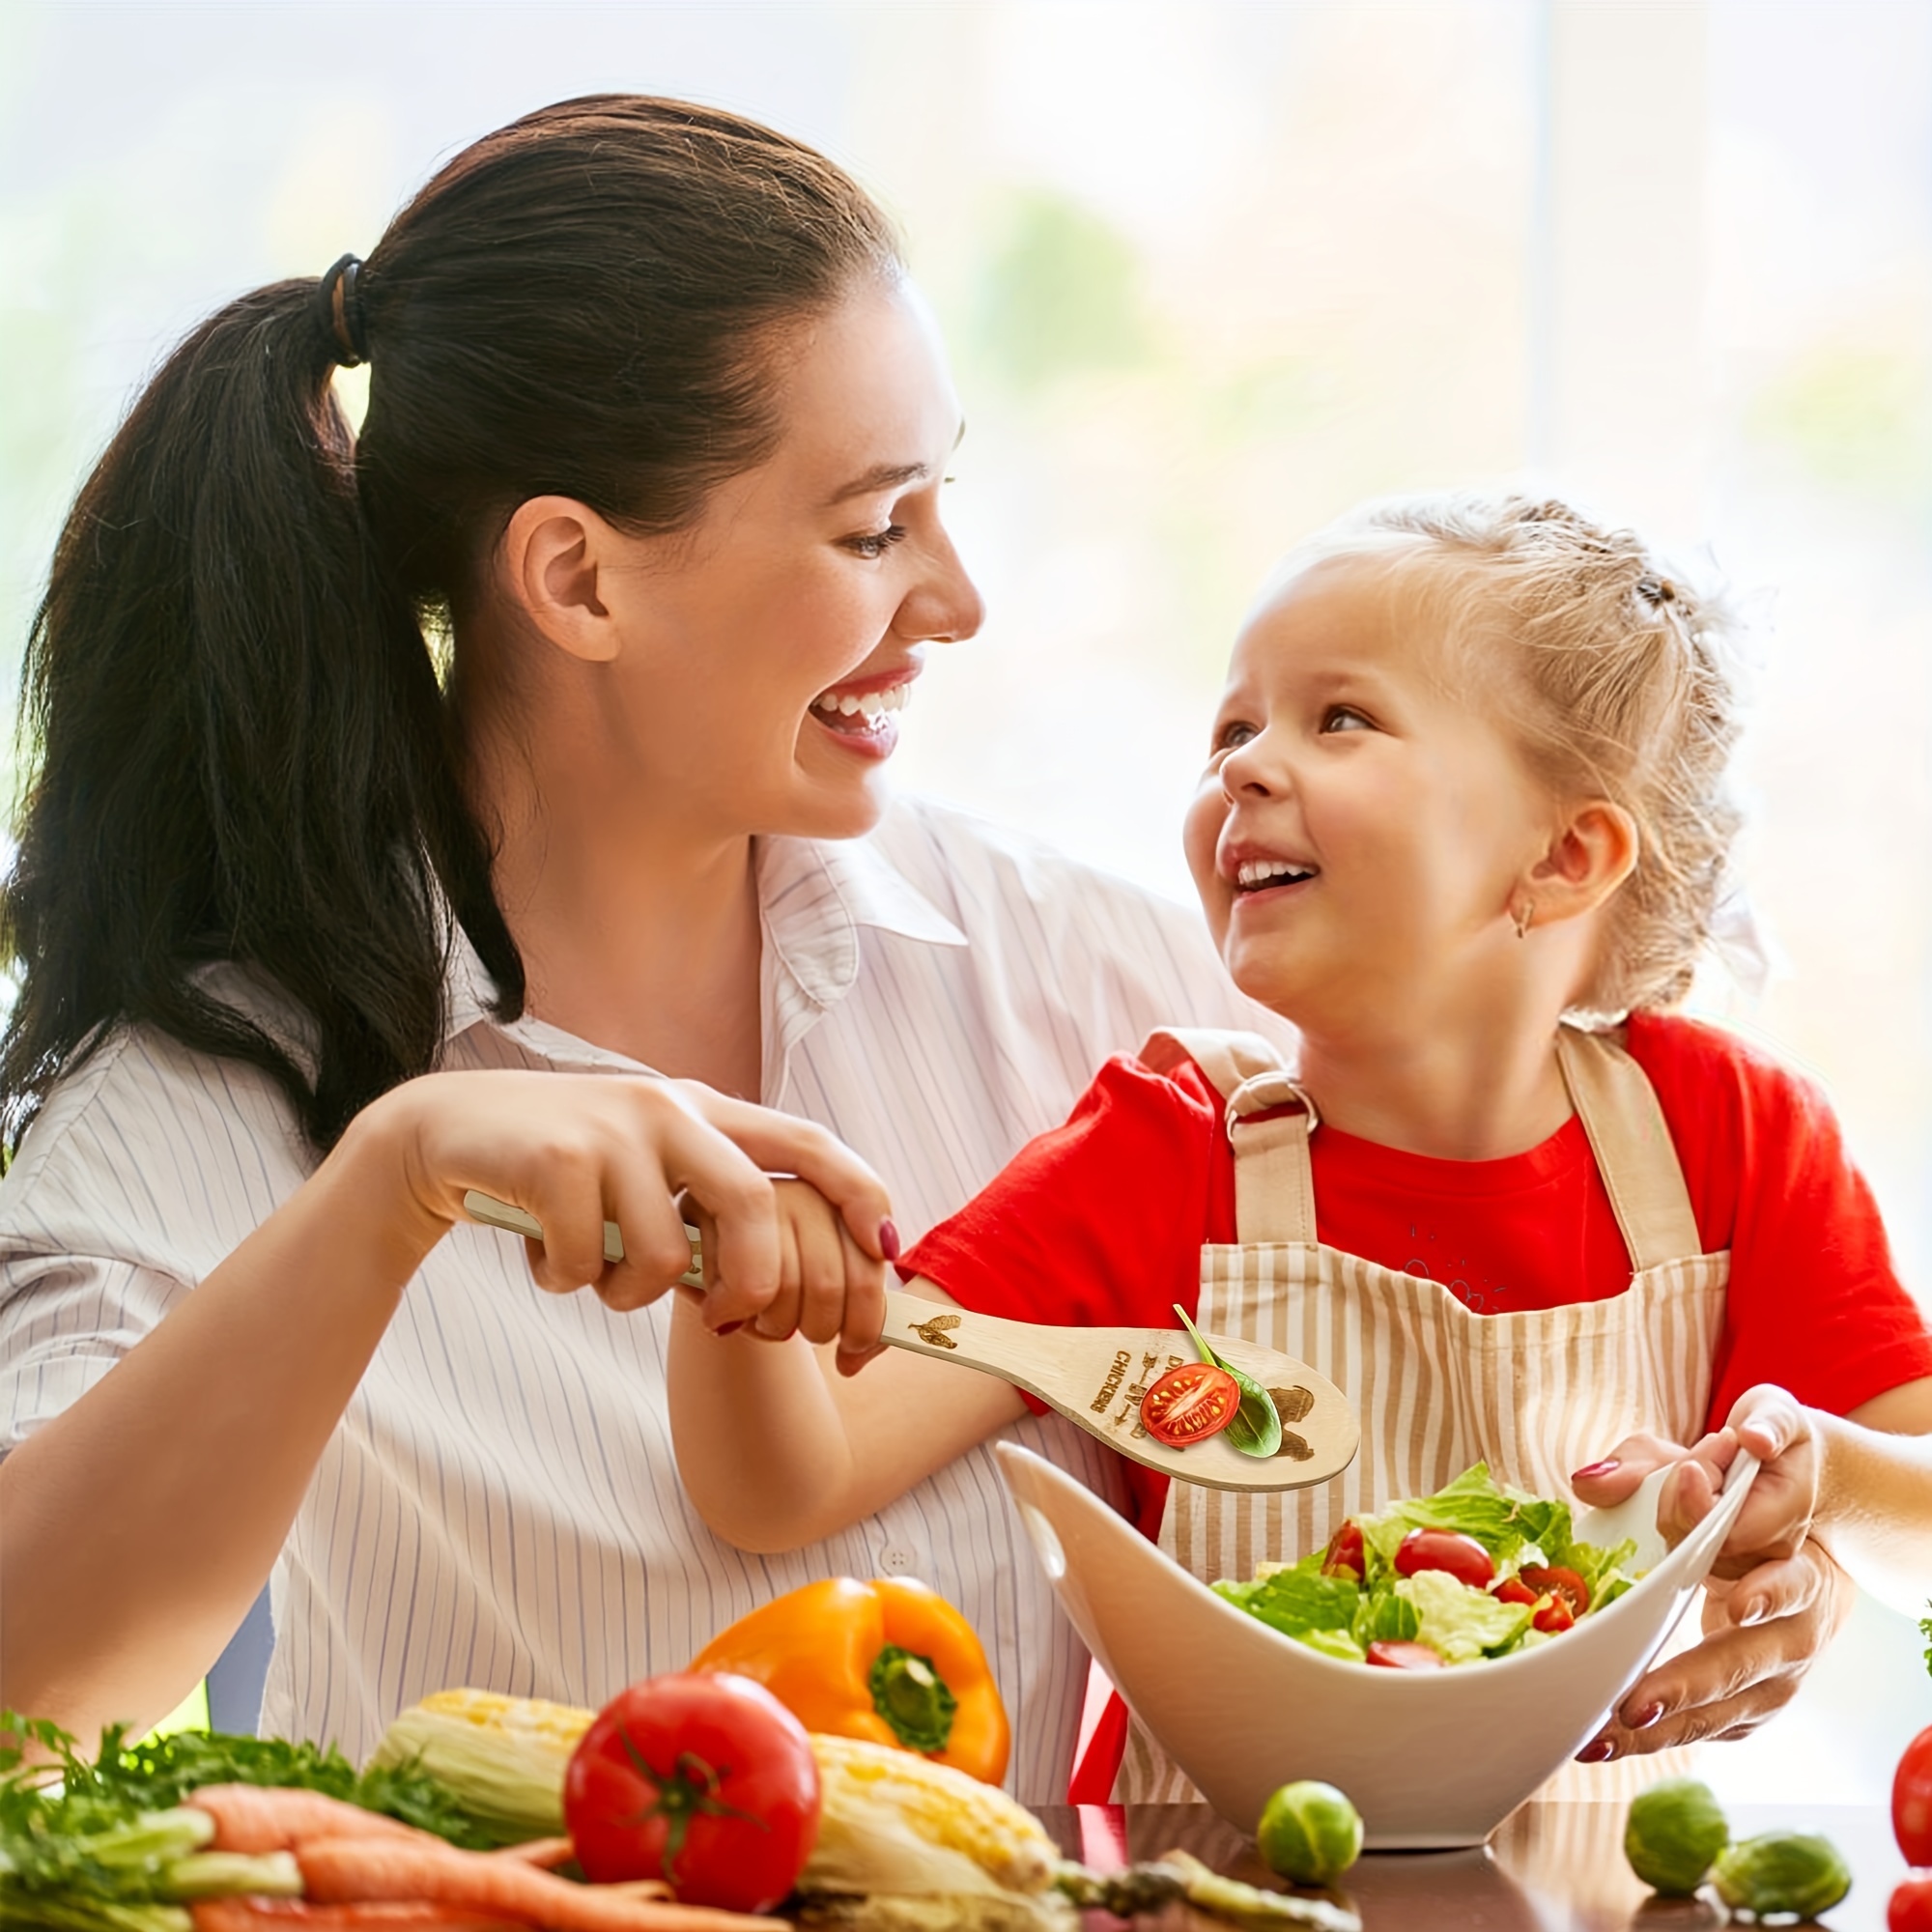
{"points": [[1309, 1833], [1674, 1831], [1782, 1871]]}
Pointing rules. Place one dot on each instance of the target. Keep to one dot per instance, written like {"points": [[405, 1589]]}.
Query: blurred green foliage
{"points": [[1060, 296], [1851, 417]]}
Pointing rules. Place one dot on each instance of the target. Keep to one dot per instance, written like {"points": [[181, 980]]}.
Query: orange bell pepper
{"points": [[891, 1662]]}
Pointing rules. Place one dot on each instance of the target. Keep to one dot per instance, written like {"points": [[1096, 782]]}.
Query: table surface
{"points": [[1552, 1868]]}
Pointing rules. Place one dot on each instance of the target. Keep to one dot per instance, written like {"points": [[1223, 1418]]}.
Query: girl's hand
{"points": [[831, 1287], [578, 1149], [1775, 1598]]}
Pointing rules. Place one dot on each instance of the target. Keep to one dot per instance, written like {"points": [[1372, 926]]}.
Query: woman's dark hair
{"points": [[237, 747]]}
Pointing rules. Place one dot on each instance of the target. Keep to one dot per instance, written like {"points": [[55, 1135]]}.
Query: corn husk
{"points": [[503, 1756]]}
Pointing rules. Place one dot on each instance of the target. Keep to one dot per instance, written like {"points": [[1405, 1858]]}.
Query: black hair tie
{"points": [[339, 313]]}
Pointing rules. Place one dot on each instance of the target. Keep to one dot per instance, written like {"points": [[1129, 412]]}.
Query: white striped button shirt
{"points": [[499, 1506]]}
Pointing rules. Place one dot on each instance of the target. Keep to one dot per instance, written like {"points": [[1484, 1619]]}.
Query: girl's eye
{"points": [[1344, 718], [876, 543], [1231, 737]]}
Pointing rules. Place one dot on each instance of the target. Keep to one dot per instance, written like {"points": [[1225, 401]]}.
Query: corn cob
{"points": [[893, 1822], [504, 1756]]}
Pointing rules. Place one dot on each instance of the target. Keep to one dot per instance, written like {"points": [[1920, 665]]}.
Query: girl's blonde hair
{"points": [[1618, 687]]}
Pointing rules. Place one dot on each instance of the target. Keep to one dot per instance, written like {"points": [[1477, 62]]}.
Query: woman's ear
{"points": [[1593, 852], [549, 559]]}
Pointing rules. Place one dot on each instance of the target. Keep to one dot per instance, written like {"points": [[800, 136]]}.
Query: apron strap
{"points": [[1274, 1184], [1628, 1134]]}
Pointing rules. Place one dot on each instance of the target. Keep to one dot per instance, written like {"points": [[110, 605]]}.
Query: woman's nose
{"points": [[946, 606]]}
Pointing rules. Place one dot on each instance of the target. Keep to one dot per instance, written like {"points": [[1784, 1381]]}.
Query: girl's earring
{"points": [[1523, 916]]}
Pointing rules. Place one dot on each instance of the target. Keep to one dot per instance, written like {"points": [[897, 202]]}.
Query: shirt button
{"points": [[897, 1560]]}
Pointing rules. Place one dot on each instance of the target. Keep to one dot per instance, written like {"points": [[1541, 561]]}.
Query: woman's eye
{"points": [[1344, 718], [876, 543]]}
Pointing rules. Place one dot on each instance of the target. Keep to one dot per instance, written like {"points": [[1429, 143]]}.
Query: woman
{"points": [[654, 453], [656, 439]]}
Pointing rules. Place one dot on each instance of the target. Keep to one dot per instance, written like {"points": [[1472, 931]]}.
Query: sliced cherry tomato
{"points": [[1343, 1556], [1513, 1590], [1911, 1907], [1554, 1580], [1394, 1654], [1912, 1801], [702, 1779], [1463, 1556], [1190, 1404], [1553, 1614]]}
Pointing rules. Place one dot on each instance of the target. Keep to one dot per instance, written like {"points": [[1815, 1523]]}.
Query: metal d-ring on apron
{"points": [[1535, 1393]]}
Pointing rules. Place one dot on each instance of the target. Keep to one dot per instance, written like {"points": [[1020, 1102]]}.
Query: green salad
{"points": [[1474, 1572]]}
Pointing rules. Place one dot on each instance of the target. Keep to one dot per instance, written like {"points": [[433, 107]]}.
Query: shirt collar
{"points": [[813, 895]]}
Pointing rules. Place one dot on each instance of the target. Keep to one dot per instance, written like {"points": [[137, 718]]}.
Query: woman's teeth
{"points": [[1252, 874], [871, 707]]}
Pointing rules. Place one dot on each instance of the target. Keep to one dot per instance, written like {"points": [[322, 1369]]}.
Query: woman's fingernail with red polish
{"points": [[1597, 1751], [727, 1328], [889, 1240], [1644, 1716], [1589, 1469]]}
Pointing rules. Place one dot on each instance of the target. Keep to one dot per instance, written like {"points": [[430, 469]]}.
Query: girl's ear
{"points": [[549, 562], [1593, 852]]}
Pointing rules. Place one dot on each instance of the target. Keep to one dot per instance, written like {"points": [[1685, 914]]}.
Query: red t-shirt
{"points": [[1102, 1220]]}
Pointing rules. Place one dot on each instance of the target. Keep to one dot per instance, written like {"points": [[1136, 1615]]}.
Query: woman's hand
{"points": [[1776, 1597], [831, 1287], [578, 1149]]}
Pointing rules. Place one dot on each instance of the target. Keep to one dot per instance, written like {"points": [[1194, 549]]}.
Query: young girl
{"points": [[1463, 823]]}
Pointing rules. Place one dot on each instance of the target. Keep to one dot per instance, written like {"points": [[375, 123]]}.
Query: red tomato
{"points": [[702, 1779], [1513, 1590], [1912, 1801], [1463, 1556], [1392, 1655], [1911, 1907], [1344, 1557], [1553, 1615], [1190, 1404], [1558, 1581]]}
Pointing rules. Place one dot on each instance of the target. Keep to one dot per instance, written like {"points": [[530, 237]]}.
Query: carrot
{"points": [[278, 1818], [545, 1853], [347, 1871], [297, 1914]]}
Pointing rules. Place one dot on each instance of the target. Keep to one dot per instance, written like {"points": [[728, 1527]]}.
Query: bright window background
{"points": [[1211, 274]]}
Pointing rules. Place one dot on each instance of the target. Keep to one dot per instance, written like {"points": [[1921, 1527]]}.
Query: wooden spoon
{"points": [[1093, 1377]]}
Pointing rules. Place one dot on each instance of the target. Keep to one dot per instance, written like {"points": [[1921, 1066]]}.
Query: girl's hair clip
{"points": [[1656, 591]]}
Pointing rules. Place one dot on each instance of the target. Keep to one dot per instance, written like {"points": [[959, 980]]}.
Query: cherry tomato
{"points": [[1558, 1581], [1553, 1615], [1911, 1907], [702, 1779], [1393, 1655], [1463, 1556], [1190, 1404], [1912, 1801], [1343, 1556]]}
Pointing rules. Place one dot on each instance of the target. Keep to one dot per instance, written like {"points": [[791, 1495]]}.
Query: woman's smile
{"points": [[863, 712]]}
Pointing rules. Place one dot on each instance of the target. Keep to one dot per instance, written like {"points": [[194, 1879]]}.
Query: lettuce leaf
{"points": [[1462, 1623], [1298, 1599]]}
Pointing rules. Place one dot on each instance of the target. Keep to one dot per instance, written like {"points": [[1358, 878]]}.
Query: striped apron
{"points": [[1535, 1393]]}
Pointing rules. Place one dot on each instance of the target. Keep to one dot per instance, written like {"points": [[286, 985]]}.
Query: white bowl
{"points": [[1431, 1758]]}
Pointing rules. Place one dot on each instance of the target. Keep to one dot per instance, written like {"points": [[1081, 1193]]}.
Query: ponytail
{"points": [[239, 750]]}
